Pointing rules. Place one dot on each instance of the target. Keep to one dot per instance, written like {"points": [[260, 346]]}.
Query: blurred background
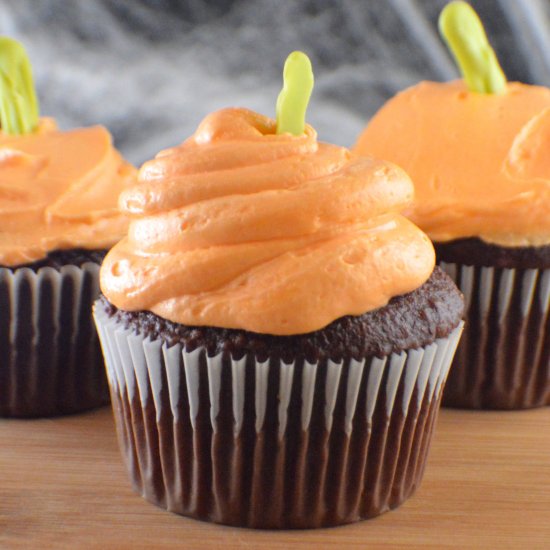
{"points": [[150, 70]]}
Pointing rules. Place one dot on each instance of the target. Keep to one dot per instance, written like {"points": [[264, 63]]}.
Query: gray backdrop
{"points": [[151, 69]]}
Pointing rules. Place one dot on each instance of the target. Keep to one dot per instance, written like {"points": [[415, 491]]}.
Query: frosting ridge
{"points": [[239, 227], [59, 190], [479, 163]]}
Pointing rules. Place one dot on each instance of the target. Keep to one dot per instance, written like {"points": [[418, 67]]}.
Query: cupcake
{"points": [[275, 334], [477, 152], [58, 217]]}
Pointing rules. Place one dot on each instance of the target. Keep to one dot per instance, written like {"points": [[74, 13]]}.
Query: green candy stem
{"points": [[18, 103], [294, 97], [463, 32]]}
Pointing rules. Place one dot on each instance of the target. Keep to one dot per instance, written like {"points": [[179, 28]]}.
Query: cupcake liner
{"points": [[272, 444], [503, 360], [50, 359]]}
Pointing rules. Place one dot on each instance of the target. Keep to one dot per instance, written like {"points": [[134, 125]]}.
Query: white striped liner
{"points": [[508, 384], [505, 287], [61, 364], [282, 463], [55, 278], [426, 368]]}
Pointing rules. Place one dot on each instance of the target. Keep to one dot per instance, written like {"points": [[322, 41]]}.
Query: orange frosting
{"points": [[59, 190], [241, 228], [480, 163]]}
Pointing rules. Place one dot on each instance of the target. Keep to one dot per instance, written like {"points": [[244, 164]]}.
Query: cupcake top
{"points": [[241, 227], [476, 149], [479, 162], [59, 190]]}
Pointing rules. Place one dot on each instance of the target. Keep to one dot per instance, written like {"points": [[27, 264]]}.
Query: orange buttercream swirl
{"points": [[59, 190], [480, 163], [241, 228]]}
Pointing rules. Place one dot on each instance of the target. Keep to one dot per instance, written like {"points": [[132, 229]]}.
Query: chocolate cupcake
{"points": [[480, 165], [58, 217], [275, 335]]}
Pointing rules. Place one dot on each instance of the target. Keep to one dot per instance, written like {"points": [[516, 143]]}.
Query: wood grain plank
{"points": [[487, 485]]}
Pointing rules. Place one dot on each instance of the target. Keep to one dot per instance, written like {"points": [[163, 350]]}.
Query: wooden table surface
{"points": [[487, 485]]}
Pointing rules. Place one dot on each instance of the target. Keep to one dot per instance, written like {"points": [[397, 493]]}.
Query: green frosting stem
{"points": [[294, 97], [463, 32], [18, 104]]}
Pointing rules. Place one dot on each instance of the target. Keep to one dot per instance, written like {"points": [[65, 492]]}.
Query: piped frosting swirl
{"points": [[241, 228], [480, 163], [59, 190]]}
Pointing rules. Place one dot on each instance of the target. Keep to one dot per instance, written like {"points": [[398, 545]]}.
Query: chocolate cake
{"points": [[275, 335], [59, 205], [481, 194], [58, 258], [410, 321], [474, 251]]}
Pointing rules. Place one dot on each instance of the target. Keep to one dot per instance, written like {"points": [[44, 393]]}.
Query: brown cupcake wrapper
{"points": [[503, 360], [272, 445], [50, 358]]}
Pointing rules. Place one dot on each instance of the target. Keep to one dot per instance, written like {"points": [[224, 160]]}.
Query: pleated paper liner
{"points": [[272, 445], [50, 358], [503, 360]]}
